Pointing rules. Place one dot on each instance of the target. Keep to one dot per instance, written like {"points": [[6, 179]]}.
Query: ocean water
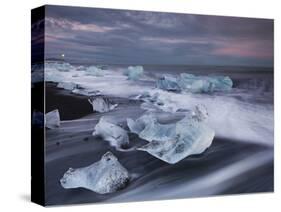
{"points": [[240, 159]]}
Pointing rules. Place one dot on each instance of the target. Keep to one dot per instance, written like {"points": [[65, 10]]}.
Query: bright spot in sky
{"points": [[62, 55]]}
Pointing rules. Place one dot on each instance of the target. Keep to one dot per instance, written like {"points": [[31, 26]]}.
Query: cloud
{"points": [[64, 24], [122, 36]]}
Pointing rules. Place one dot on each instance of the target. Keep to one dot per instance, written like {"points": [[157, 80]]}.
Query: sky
{"points": [[105, 36]]}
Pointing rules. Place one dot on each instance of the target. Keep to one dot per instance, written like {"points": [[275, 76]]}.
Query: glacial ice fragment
{"points": [[175, 141], [133, 72], [148, 128], [94, 71], [101, 104], [104, 176], [168, 83], [204, 84], [139, 125], [194, 84], [112, 133], [191, 138], [53, 119]]}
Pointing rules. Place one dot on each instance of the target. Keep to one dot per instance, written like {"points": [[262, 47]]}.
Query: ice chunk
{"points": [[115, 135], [221, 83], [134, 72], [194, 84], [67, 85], [168, 83], [53, 119], [104, 176], [139, 125], [191, 138], [174, 141], [94, 71], [149, 129], [204, 84], [101, 104]]}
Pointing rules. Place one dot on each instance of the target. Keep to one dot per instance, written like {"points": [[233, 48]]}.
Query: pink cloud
{"points": [[255, 49]]}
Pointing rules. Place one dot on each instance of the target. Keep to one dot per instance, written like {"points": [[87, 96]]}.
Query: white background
{"points": [[15, 103]]}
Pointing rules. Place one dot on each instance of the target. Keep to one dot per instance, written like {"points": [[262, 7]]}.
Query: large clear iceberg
{"points": [[101, 104], [104, 176], [115, 135], [134, 72], [194, 84], [175, 141], [94, 71], [53, 119]]}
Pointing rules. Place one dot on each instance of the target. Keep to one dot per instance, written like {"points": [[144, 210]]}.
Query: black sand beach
{"points": [[227, 167]]}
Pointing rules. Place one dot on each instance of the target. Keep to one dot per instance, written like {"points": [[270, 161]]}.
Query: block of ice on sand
{"points": [[148, 128], [203, 84], [94, 71], [115, 135], [138, 125], [101, 104], [53, 119], [104, 176], [175, 141], [168, 83], [191, 138], [134, 72], [67, 85]]}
